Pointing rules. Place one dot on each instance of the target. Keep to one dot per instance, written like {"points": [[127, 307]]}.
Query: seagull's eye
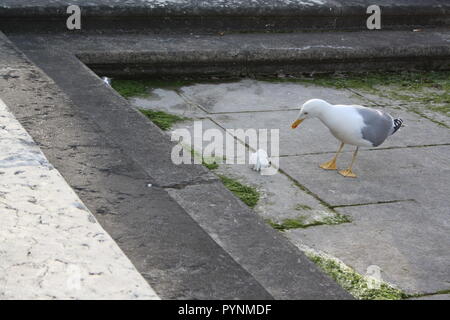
{"points": [[305, 112]]}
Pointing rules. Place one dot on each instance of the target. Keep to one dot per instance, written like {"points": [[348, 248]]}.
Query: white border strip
{"points": [[51, 246]]}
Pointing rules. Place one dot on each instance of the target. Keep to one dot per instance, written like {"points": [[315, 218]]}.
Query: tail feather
{"points": [[398, 123]]}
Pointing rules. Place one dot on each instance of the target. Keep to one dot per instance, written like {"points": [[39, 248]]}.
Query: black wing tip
{"points": [[397, 125]]}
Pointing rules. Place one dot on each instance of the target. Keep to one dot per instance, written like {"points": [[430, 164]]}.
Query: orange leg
{"points": [[331, 165], [348, 172]]}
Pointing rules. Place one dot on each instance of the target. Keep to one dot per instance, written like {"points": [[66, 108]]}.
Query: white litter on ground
{"points": [[107, 80], [259, 160]]}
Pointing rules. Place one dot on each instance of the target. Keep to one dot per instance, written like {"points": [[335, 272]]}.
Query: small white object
{"points": [[149, 185], [107, 80], [259, 160]]}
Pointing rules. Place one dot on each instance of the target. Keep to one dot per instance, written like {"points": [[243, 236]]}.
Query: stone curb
{"points": [[247, 54], [223, 16]]}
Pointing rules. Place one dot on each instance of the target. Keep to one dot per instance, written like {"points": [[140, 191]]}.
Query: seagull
{"points": [[351, 124]]}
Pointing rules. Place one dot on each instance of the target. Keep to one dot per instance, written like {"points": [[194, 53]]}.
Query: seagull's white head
{"points": [[310, 109]]}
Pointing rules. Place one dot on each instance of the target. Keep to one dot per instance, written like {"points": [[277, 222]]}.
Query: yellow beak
{"points": [[296, 123]]}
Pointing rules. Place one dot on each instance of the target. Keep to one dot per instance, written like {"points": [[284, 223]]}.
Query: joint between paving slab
{"points": [[369, 149], [306, 190], [191, 103], [372, 203], [429, 118], [420, 295], [410, 146], [255, 111]]}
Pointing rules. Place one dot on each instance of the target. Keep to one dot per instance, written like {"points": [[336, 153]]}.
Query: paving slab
{"points": [[280, 198], [253, 95], [383, 175], [407, 240], [169, 101]]}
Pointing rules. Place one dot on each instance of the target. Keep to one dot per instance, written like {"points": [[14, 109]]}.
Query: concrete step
{"points": [[142, 54], [223, 16]]}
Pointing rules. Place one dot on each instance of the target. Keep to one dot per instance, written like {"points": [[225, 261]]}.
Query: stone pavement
{"points": [[119, 165], [51, 246], [186, 234], [398, 205]]}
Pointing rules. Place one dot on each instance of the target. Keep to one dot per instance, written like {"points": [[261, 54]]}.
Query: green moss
{"points": [[355, 283], [286, 224], [274, 225], [302, 222], [423, 115], [444, 109], [430, 88], [211, 163], [210, 166], [370, 80], [248, 195], [142, 87], [302, 207], [336, 219], [162, 119], [130, 88]]}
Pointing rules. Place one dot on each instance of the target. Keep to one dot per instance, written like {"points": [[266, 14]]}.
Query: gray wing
{"points": [[378, 125]]}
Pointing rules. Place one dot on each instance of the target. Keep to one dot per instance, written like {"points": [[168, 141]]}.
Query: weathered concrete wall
{"points": [[223, 15]]}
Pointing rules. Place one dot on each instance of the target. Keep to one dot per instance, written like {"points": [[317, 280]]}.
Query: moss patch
{"points": [[353, 282], [300, 207], [210, 166], [130, 88], [248, 195], [292, 223], [141, 88], [430, 88], [162, 119], [211, 163], [304, 222]]}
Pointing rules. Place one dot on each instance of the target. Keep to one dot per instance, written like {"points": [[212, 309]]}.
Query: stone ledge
{"points": [[236, 54], [231, 15]]}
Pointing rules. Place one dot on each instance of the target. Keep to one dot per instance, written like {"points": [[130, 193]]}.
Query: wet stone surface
{"points": [[397, 208]]}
